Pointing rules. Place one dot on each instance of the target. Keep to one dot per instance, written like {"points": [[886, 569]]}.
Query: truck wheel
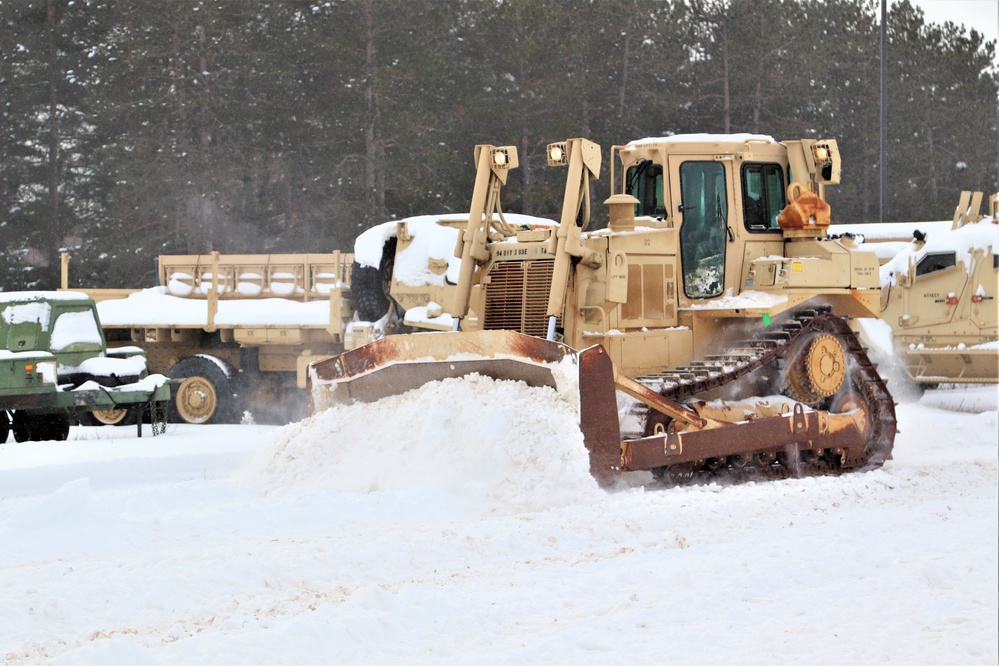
{"points": [[54, 427], [368, 293], [112, 417], [206, 393], [40, 427], [4, 426], [370, 286]]}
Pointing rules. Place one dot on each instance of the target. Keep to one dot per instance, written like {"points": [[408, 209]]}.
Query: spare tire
{"points": [[206, 393], [370, 286]]}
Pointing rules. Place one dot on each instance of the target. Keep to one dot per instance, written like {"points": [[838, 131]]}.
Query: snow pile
{"points": [[500, 445]]}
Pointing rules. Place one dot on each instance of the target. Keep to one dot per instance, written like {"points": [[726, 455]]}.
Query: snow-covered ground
{"points": [[459, 526]]}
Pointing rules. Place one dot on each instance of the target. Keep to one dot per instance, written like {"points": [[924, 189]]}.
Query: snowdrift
{"points": [[500, 445]]}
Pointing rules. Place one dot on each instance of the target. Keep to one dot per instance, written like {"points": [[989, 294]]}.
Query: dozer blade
{"points": [[396, 364]]}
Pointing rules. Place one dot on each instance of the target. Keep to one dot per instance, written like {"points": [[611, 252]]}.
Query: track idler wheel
{"points": [[817, 370]]}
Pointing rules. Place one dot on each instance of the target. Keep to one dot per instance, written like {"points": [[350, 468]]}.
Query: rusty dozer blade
{"points": [[396, 364]]}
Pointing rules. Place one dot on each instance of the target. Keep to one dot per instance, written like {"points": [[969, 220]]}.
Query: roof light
{"points": [[557, 154], [501, 157], [820, 153]]}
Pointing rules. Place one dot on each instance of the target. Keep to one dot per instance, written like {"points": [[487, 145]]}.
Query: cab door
{"points": [[701, 206]]}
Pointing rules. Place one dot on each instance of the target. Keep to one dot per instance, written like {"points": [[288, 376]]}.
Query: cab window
{"points": [[936, 261], [762, 195], [644, 181]]}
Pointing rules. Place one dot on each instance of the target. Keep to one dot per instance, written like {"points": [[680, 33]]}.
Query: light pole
{"points": [[884, 111]]}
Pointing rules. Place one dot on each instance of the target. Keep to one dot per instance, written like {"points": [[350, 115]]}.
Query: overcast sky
{"points": [[982, 15]]}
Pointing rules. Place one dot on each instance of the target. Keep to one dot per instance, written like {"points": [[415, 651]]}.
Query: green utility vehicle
{"points": [[55, 365]]}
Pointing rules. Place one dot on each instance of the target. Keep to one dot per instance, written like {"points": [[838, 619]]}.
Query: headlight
{"points": [[556, 154], [820, 153], [501, 157]]}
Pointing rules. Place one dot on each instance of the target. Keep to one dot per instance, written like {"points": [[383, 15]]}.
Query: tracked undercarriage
{"points": [[807, 351]]}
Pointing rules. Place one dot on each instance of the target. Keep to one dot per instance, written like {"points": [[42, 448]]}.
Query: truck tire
{"points": [[4, 426], [40, 427], [110, 417], [370, 286], [206, 393], [368, 293]]}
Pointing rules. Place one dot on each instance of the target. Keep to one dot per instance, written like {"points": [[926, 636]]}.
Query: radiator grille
{"points": [[517, 296]]}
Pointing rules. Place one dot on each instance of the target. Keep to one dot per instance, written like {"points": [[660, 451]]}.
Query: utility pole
{"points": [[884, 111]]}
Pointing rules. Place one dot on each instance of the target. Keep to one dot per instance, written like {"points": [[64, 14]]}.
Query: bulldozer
{"points": [[705, 331]]}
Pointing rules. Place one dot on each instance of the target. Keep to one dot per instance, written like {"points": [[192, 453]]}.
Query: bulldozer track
{"points": [[719, 370]]}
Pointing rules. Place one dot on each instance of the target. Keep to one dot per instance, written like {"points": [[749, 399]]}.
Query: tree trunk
{"points": [[625, 56]]}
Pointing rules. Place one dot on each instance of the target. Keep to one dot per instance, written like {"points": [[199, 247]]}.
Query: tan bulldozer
{"points": [[704, 330]]}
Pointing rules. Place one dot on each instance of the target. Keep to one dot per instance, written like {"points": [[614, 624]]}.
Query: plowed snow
{"points": [[499, 444]]}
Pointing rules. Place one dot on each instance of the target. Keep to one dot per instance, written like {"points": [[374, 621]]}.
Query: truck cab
{"points": [[54, 363]]}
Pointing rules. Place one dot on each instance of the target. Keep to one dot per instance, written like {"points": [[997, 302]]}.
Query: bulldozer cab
{"points": [[749, 213], [723, 193]]}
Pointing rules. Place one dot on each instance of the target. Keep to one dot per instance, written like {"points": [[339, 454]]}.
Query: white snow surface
{"points": [[430, 240], [156, 307], [15, 296], [746, 299], [75, 328], [890, 231], [101, 366], [458, 525], [21, 313], [703, 138]]}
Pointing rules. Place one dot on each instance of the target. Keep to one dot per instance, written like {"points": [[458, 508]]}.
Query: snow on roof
{"points": [[963, 241], [6, 355], [889, 231], [155, 307], [432, 238], [32, 296], [703, 138]]}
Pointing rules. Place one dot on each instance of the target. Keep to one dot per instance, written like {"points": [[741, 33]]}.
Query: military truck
{"points": [[714, 301], [940, 298], [55, 365], [235, 330]]}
